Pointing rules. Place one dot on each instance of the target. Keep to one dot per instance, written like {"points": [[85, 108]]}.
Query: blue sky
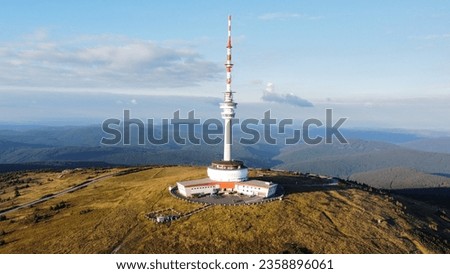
{"points": [[380, 63]]}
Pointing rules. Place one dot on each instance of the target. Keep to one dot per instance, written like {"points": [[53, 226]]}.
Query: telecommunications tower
{"points": [[227, 176], [227, 169]]}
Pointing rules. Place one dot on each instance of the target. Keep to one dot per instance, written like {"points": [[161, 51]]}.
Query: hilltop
{"points": [[317, 215]]}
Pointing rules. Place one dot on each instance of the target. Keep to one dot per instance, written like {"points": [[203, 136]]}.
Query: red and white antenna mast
{"points": [[228, 64]]}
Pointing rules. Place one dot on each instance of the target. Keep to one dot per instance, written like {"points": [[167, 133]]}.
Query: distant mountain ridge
{"points": [[360, 156], [364, 159], [400, 178], [439, 144]]}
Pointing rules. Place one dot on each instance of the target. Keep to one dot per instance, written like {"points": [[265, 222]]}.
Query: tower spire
{"points": [[228, 64]]}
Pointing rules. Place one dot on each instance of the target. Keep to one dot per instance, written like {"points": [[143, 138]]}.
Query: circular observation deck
{"points": [[228, 171]]}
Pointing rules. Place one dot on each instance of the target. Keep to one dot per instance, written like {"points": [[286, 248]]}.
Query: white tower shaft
{"points": [[228, 105]]}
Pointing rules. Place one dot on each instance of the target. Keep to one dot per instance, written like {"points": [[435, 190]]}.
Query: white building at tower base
{"points": [[207, 186]]}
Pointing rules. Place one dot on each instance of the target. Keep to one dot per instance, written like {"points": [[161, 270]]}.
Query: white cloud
{"points": [[269, 95], [107, 63], [286, 16]]}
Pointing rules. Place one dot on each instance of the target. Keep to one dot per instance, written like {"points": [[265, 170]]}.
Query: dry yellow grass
{"points": [[44, 183], [109, 216]]}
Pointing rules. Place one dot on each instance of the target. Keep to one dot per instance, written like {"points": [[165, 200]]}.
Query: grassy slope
{"points": [[339, 220]]}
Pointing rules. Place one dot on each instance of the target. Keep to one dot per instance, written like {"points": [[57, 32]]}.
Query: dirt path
{"points": [[118, 246], [58, 194]]}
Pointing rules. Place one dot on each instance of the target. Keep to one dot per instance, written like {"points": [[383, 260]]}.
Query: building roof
{"points": [[256, 183], [195, 182]]}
